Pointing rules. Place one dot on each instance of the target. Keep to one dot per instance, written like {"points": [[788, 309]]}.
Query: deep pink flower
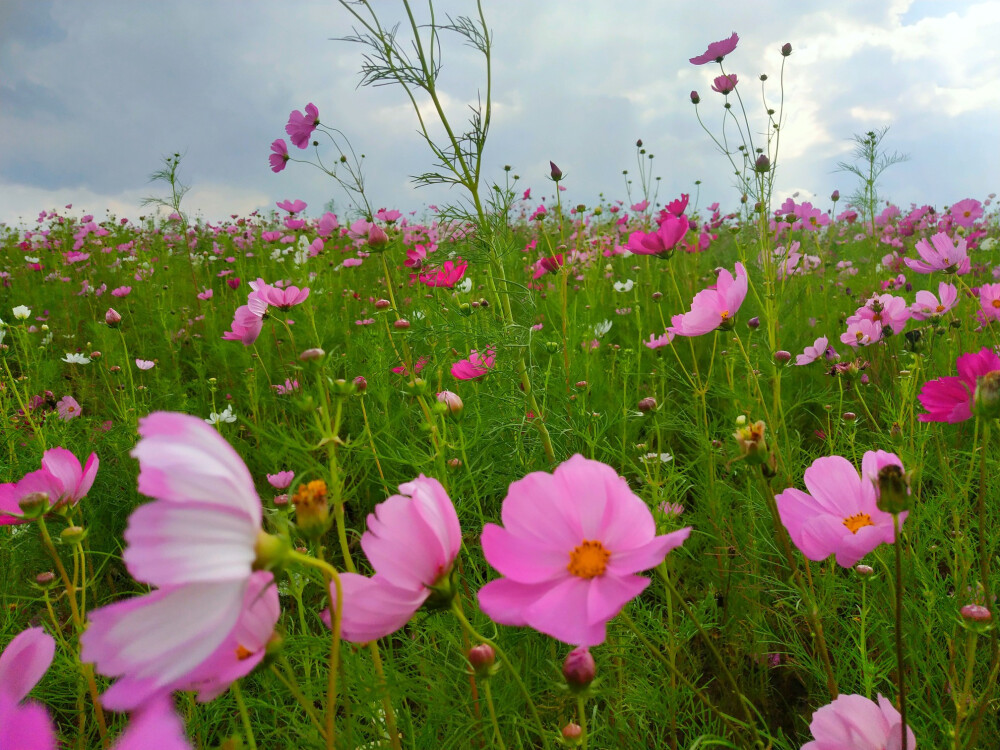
{"points": [[678, 205], [412, 541], [122, 291], [928, 306], [61, 479], [949, 399], [68, 408], [940, 254], [839, 515], [475, 366], [853, 722], [300, 126], [725, 84], [569, 550], [550, 264], [417, 367], [717, 50], [279, 155], [713, 307], [196, 544], [662, 240], [448, 275], [248, 320]]}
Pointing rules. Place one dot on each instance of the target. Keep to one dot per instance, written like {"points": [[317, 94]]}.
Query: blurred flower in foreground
{"points": [[951, 399], [853, 722]]}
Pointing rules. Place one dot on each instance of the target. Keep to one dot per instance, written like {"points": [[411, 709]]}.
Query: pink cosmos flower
{"points": [[853, 722], [713, 307], [417, 367], [279, 155], [950, 399], [862, 333], [68, 408], [448, 275], [928, 306], [839, 515], [965, 212], [155, 724], [989, 302], [412, 541], [887, 310], [196, 544], [678, 205], [655, 342], [293, 207], [281, 480], [145, 364], [814, 352], [25, 726], [415, 256], [248, 321], [661, 241], [940, 254], [61, 479], [206, 294], [122, 291], [717, 50], [569, 550], [283, 299], [725, 84], [300, 126], [476, 366]]}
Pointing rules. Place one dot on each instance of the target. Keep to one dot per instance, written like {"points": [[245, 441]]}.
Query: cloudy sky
{"points": [[93, 94]]}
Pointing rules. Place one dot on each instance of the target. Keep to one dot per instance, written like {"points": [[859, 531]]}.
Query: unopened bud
{"points": [[552, 347], [377, 238], [554, 172], [572, 732], [482, 658], [112, 317], [647, 404], [73, 535], [579, 669], [402, 324], [782, 356], [986, 401], [314, 353], [976, 613], [382, 304], [754, 323], [835, 196], [45, 580], [893, 490], [34, 504], [786, 49], [361, 384], [763, 164], [452, 401], [694, 97], [864, 571]]}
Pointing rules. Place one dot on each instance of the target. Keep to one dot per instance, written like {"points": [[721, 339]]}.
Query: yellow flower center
{"points": [[724, 314], [310, 495], [589, 559], [858, 521]]}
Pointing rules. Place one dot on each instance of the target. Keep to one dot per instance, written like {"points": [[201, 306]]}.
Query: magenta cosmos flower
{"points": [[196, 544], [569, 550], [279, 155], [940, 254], [300, 126], [725, 84], [717, 51], [839, 515], [713, 307], [412, 541], [448, 275], [62, 479], [25, 726], [662, 240], [950, 399], [853, 722], [476, 366]]}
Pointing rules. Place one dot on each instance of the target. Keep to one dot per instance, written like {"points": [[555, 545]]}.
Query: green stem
{"points": [[244, 715], [900, 664], [497, 737]]}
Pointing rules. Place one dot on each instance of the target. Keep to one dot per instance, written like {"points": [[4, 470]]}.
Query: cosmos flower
{"points": [[725, 84], [61, 479], [717, 50], [940, 254], [301, 126], [68, 408], [714, 307], [853, 722], [950, 399], [279, 155], [476, 366], [569, 550]]}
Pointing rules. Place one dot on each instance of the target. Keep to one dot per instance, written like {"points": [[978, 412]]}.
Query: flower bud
{"points": [[579, 669], [694, 97], [377, 238], [552, 347], [893, 490], [361, 384], [754, 323], [73, 535], [34, 504], [762, 165], [312, 513], [865, 571], [402, 324], [314, 353], [270, 551], [976, 613], [647, 404], [782, 356], [343, 387], [786, 49], [452, 401], [751, 442], [572, 732], [112, 317], [835, 196], [986, 401], [483, 660], [45, 580], [554, 172], [382, 304]]}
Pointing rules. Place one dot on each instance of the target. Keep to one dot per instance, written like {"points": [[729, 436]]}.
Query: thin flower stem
{"points": [[581, 712], [287, 679], [497, 737], [244, 715], [900, 664], [510, 667]]}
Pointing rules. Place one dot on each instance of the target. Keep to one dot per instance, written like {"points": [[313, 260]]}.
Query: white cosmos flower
{"points": [[21, 312], [76, 359], [31, 259], [602, 328], [624, 286], [226, 415], [465, 285]]}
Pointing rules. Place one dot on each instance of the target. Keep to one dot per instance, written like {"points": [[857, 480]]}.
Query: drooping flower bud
{"points": [[893, 490], [579, 669]]}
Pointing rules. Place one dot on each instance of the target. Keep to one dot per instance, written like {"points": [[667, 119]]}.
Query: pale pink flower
{"points": [[206, 294], [284, 298], [839, 515], [862, 333], [292, 206], [989, 301], [928, 306], [655, 342], [814, 352], [68, 408], [122, 291], [569, 550], [25, 726], [62, 479], [714, 307], [412, 541], [965, 212], [281, 480], [853, 722], [145, 364], [196, 544], [154, 725]]}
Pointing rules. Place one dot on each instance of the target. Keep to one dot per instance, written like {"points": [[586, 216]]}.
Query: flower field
{"points": [[510, 474]]}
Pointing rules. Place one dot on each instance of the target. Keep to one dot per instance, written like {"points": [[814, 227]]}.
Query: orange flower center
{"points": [[724, 314], [995, 303], [939, 308], [589, 559], [858, 521], [310, 495], [242, 653]]}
